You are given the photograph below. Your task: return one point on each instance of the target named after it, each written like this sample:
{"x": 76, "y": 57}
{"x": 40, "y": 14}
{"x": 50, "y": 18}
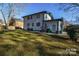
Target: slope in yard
{"x": 20, "y": 42}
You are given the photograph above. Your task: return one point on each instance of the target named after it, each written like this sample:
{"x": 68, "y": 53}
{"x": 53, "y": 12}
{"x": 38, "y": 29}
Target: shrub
{"x": 71, "y": 33}
{"x": 1, "y": 32}
{"x": 18, "y": 27}
{"x": 48, "y": 30}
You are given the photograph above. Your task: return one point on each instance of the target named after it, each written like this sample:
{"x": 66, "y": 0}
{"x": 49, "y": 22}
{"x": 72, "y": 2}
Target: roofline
{"x": 37, "y": 13}
{"x": 60, "y": 19}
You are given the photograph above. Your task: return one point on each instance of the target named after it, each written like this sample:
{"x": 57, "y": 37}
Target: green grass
{"x": 24, "y": 43}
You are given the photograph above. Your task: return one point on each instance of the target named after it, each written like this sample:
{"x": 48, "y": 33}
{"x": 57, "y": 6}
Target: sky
{"x": 30, "y": 8}
{"x": 50, "y": 7}
{"x": 53, "y": 8}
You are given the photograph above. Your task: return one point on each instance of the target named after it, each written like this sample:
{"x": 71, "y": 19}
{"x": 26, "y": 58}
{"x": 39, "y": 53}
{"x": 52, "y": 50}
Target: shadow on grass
{"x": 58, "y": 37}
{"x": 5, "y": 48}
{"x": 1, "y": 32}
{"x": 44, "y": 51}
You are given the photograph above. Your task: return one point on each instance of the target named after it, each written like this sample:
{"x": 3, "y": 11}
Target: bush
{"x": 48, "y": 30}
{"x": 71, "y": 33}
{"x": 1, "y": 32}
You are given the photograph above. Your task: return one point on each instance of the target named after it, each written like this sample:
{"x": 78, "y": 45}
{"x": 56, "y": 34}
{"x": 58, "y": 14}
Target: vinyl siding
{"x": 34, "y": 20}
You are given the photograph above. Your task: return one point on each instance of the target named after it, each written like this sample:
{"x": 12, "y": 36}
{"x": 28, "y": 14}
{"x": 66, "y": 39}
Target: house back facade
{"x": 43, "y": 21}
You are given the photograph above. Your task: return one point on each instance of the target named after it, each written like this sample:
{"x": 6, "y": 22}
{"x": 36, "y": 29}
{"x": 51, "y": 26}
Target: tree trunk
{"x": 6, "y": 26}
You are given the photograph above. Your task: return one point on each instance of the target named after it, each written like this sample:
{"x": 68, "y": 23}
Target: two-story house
{"x": 43, "y": 21}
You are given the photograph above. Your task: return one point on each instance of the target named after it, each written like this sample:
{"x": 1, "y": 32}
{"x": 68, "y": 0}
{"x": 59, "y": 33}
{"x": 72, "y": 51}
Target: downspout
{"x": 57, "y": 27}
{"x": 43, "y": 23}
{"x": 62, "y": 25}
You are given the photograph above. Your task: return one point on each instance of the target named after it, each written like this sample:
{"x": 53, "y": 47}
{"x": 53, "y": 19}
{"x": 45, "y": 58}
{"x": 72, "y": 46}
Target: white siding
{"x": 60, "y": 28}
{"x": 34, "y": 20}
{"x": 52, "y": 25}
{"x": 47, "y": 17}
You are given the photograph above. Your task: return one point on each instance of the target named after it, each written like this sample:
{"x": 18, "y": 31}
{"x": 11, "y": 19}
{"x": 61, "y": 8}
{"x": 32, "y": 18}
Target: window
{"x": 29, "y": 17}
{"x": 54, "y": 27}
{"x": 28, "y": 24}
{"x": 38, "y": 16}
{"x": 32, "y": 24}
{"x": 38, "y": 24}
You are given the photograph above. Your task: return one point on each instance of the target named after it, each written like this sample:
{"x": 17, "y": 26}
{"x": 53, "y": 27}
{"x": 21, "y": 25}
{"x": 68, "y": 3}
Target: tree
{"x": 71, "y": 31}
{"x": 9, "y": 11}
{"x": 72, "y": 8}
{"x": 69, "y": 7}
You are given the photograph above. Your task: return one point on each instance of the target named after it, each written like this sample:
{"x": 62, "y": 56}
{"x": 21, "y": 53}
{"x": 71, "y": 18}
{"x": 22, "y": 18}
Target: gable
{"x": 47, "y": 17}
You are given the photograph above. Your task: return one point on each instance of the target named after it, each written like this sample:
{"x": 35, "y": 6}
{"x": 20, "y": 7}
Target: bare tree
{"x": 10, "y": 10}
{"x": 69, "y": 7}
{"x": 6, "y": 16}
{"x": 72, "y": 8}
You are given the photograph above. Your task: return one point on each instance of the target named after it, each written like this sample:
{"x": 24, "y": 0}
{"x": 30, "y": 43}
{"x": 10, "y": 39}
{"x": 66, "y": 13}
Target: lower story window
{"x": 32, "y": 24}
{"x": 54, "y": 27}
{"x": 28, "y": 24}
{"x": 38, "y": 23}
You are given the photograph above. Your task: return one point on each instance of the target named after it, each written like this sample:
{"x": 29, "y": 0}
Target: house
{"x": 11, "y": 24}
{"x": 43, "y": 21}
{"x": 66, "y": 24}
{"x": 19, "y": 24}
{"x": 15, "y": 23}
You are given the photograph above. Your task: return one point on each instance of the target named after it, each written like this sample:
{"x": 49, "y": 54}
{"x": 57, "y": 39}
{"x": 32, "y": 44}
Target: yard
{"x": 24, "y": 43}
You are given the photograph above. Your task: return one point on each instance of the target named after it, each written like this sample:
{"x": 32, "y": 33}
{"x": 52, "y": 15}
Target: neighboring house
{"x": 11, "y": 24}
{"x": 15, "y": 23}
{"x": 43, "y": 21}
{"x": 19, "y": 24}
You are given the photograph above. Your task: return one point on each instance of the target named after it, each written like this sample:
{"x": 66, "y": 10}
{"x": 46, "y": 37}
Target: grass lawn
{"x": 24, "y": 43}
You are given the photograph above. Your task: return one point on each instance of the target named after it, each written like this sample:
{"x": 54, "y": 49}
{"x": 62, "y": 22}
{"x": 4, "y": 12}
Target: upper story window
{"x": 38, "y": 23}
{"x": 29, "y": 17}
{"x": 38, "y": 16}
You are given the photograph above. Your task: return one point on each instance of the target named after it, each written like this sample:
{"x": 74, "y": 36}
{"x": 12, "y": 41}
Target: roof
{"x": 54, "y": 20}
{"x": 37, "y": 13}
{"x": 46, "y": 12}
{"x": 61, "y": 19}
